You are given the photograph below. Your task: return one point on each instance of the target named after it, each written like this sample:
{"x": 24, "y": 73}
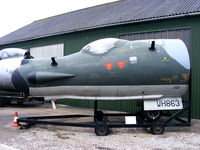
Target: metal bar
{"x": 54, "y": 117}
{"x": 95, "y": 110}
{"x": 180, "y": 120}
{"x": 129, "y": 125}
{"x": 119, "y": 114}
{"x": 175, "y": 115}
{"x": 32, "y": 121}
{"x": 146, "y": 125}
{"x": 177, "y": 125}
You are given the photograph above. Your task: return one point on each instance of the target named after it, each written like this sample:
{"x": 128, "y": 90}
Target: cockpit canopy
{"x": 101, "y": 46}
{"x": 12, "y": 52}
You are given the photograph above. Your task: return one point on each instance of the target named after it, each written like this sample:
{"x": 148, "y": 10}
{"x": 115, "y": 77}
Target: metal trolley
{"x": 102, "y": 125}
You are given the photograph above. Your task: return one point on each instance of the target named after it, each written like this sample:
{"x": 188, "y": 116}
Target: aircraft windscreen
{"x": 11, "y": 52}
{"x": 100, "y": 46}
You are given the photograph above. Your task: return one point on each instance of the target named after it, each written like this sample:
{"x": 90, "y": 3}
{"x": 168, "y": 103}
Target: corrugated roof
{"x": 120, "y": 12}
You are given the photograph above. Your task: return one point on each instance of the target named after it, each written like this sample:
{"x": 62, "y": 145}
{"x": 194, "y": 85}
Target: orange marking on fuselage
{"x": 121, "y": 64}
{"x": 109, "y": 66}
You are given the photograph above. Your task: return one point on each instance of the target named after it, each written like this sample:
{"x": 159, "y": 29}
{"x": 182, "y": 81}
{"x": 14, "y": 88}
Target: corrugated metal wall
{"x": 195, "y": 24}
{"x": 73, "y": 42}
{"x": 55, "y": 50}
{"x": 183, "y": 34}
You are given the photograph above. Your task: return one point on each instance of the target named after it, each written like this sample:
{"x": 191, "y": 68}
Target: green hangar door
{"x": 183, "y": 34}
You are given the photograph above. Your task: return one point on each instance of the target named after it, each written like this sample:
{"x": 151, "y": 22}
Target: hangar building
{"x": 127, "y": 19}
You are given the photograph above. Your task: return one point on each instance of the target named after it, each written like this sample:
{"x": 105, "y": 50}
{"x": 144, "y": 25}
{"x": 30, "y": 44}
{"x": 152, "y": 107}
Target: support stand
{"x": 102, "y": 126}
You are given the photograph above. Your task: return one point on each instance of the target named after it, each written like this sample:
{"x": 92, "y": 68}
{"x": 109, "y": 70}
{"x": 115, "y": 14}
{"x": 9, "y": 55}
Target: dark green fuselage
{"x": 128, "y": 64}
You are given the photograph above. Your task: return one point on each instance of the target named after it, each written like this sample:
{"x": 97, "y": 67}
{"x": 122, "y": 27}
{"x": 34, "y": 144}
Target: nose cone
{"x": 19, "y": 83}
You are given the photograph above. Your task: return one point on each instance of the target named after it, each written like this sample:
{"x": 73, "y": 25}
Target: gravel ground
{"x": 5, "y": 147}
{"x": 46, "y": 137}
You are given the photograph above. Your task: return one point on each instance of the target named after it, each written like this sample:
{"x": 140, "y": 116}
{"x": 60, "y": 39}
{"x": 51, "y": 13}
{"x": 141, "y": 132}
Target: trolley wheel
{"x": 152, "y": 115}
{"x": 157, "y": 128}
{"x": 101, "y": 129}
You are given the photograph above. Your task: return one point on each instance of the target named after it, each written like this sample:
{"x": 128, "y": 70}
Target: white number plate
{"x": 170, "y": 103}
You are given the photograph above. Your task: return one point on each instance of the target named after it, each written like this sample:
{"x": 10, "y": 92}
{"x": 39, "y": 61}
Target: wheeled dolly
{"x": 102, "y": 125}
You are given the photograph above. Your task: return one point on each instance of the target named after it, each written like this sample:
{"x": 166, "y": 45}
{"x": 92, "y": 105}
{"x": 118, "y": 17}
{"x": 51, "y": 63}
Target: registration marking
{"x": 170, "y": 103}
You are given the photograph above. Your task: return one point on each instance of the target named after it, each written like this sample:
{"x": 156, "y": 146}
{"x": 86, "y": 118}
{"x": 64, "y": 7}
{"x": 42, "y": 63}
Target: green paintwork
{"x": 151, "y": 68}
{"x": 43, "y": 77}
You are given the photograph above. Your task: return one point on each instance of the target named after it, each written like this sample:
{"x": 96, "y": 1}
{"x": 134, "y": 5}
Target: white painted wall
{"x": 56, "y": 50}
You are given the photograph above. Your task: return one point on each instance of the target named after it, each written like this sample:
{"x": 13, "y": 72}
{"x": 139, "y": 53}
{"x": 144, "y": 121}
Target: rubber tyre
{"x": 101, "y": 129}
{"x": 157, "y": 128}
{"x": 152, "y": 115}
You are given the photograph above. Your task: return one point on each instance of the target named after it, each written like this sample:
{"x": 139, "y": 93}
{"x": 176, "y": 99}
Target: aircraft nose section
{"x": 19, "y": 83}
